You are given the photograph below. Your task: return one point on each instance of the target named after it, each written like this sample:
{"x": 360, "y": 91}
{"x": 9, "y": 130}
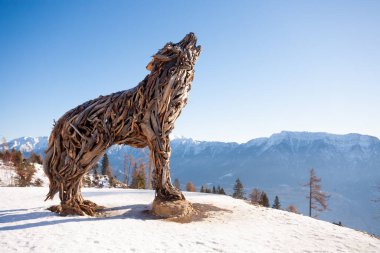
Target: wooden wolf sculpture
{"x": 140, "y": 117}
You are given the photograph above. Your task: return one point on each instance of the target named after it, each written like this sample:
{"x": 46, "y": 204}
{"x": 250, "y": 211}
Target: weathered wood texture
{"x": 139, "y": 117}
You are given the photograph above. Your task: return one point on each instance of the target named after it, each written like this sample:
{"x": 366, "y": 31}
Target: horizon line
{"x": 179, "y": 136}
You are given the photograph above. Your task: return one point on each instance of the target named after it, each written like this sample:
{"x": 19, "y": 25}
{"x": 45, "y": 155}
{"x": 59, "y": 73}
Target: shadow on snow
{"x": 138, "y": 212}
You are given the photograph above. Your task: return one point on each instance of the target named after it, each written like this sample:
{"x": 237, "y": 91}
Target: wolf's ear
{"x": 163, "y": 58}
{"x": 150, "y": 65}
{"x": 158, "y": 58}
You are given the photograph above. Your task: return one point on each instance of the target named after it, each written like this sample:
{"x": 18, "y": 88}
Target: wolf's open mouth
{"x": 190, "y": 42}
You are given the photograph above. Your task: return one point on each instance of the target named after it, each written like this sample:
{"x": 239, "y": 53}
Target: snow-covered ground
{"x": 40, "y": 174}
{"x": 7, "y": 173}
{"x": 26, "y": 226}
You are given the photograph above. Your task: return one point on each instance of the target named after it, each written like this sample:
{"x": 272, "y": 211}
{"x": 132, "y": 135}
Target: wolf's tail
{"x": 51, "y": 161}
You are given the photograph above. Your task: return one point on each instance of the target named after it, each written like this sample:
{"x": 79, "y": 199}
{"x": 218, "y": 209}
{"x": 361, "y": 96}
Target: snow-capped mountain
{"x": 28, "y": 144}
{"x": 349, "y": 166}
{"x": 280, "y": 159}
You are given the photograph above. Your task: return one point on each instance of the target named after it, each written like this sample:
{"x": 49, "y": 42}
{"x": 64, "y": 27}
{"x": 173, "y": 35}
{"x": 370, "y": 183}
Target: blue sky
{"x": 266, "y": 66}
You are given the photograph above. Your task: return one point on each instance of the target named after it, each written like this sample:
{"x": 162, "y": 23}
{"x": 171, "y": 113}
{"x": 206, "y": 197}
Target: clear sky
{"x": 266, "y": 66}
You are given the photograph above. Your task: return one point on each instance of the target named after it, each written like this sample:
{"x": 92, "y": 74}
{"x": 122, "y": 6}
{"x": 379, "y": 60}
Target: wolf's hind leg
{"x": 72, "y": 202}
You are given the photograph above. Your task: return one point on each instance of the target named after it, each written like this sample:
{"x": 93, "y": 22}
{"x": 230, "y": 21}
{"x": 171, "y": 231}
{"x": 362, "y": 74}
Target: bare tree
{"x": 317, "y": 198}
{"x": 138, "y": 176}
{"x": 292, "y": 209}
{"x": 125, "y": 169}
{"x": 129, "y": 164}
{"x": 149, "y": 168}
{"x": 25, "y": 172}
{"x": 255, "y": 196}
{"x": 4, "y": 145}
{"x": 7, "y": 154}
{"x": 190, "y": 187}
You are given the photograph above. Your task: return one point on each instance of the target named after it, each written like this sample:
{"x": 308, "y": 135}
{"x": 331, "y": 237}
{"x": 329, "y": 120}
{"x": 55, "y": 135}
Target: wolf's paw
{"x": 85, "y": 207}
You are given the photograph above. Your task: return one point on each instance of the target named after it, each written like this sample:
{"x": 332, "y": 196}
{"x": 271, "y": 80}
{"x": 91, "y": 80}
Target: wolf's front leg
{"x": 169, "y": 201}
{"x": 160, "y": 155}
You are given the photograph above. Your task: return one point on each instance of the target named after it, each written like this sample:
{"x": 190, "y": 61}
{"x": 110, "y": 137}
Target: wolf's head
{"x": 182, "y": 54}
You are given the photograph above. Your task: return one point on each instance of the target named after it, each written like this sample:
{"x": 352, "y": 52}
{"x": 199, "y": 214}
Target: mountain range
{"x": 349, "y": 166}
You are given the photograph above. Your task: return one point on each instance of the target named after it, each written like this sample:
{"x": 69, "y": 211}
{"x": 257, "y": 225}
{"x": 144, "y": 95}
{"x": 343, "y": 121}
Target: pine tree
{"x": 205, "y": 189}
{"x": 276, "y": 203}
{"x": 190, "y": 187}
{"x": 220, "y": 190}
{"x": 105, "y": 164}
{"x": 177, "y": 184}
{"x": 95, "y": 181}
{"x": 106, "y": 168}
{"x": 95, "y": 170}
{"x": 264, "y": 200}
{"x": 213, "y": 189}
{"x": 238, "y": 190}
{"x": 317, "y": 198}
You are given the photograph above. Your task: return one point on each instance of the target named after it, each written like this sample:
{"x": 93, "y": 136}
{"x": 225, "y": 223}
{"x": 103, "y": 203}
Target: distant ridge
{"x": 349, "y": 166}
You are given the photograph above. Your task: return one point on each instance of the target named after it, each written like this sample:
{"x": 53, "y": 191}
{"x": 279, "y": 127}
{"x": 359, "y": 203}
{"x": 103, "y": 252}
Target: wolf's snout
{"x": 189, "y": 41}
